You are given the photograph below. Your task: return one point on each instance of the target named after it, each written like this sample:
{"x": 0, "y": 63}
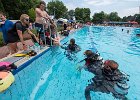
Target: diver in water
{"x": 71, "y": 49}
{"x": 138, "y": 35}
{"x": 108, "y": 79}
{"x": 92, "y": 61}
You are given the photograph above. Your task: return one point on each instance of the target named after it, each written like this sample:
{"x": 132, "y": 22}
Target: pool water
{"x": 54, "y": 77}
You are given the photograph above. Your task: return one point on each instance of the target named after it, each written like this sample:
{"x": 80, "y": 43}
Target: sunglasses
{"x": 27, "y": 20}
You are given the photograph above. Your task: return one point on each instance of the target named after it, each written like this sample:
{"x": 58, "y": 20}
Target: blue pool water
{"x": 53, "y": 77}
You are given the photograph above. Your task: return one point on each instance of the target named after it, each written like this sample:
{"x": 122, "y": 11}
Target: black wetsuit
{"x": 74, "y": 48}
{"x": 104, "y": 82}
{"x": 71, "y": 50}
{"x": 91, "y": 60}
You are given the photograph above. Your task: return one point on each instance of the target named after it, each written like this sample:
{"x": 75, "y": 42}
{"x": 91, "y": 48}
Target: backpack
{"x": 13, "y": 29}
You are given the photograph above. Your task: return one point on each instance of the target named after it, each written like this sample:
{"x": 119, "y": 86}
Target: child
{"x": 53, "y": 37}
{"x": 92, "y": 61}
{"x": 72, "y": 46}
{"x": 71, "y": 49}
{"x": 5, "y": 25}
{"x": 90, "y": 57}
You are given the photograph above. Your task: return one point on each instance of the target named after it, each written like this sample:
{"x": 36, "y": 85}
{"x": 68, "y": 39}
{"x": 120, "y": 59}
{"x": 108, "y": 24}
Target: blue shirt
{"x": 4, "y": 28}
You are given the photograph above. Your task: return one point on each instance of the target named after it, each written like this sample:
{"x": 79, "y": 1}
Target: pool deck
{"x": 4, "y": 51}
{"x": 20, "y": 62}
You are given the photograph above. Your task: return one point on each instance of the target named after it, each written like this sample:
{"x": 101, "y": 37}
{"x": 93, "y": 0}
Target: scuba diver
{"x": 108, "y": 79}
{"x": 92, "y": 61}
{"x": 71, "y": 49}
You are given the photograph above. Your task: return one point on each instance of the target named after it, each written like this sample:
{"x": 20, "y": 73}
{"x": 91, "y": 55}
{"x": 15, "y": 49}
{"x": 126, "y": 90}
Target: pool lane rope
{"x": 93, "y": 48}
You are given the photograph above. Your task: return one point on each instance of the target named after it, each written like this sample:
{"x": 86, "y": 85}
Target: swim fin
{"x": 21, "y": 55}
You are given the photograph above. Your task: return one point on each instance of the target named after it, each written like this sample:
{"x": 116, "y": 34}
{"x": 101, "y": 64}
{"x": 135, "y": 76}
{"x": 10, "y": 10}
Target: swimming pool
{"x": 53, "y": 77}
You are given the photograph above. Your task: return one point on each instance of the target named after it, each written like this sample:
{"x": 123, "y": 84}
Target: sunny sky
{"x": 123, "y": 7}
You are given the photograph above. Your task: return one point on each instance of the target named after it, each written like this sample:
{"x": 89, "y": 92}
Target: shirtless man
{"x": 41, "y": 17}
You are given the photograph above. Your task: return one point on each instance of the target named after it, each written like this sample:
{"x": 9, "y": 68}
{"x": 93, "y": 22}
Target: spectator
{"x": 41, "y": 19}
{"x": 5, "y": 25}
{"x": 16, "y": 33}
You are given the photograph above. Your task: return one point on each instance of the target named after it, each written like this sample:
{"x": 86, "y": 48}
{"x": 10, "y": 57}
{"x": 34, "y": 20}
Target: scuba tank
{"x": 120, "y": 81}
{"x": 121, "y": 86}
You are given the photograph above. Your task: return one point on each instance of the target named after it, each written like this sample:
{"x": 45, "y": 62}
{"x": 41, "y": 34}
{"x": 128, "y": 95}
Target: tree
{"x": 124, "y": 19}
{"x": 113, "y": 16}
{"x": 71, "y": 14}
{"x": 57, "y": 8}
{"x": 31, "y": 13}
{"x": 99, "y": 17}
{"x": 128, "y": 18}
{"x": 78, "y": 14}
{"x": 82, "y": 14}
{"x": 86, "y": 14}
{"x": 18, "y": 7}
{"x": 1, "y": 6}
{"x": 137, "y": 18}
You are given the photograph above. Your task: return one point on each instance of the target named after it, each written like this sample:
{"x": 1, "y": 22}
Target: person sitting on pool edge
{"x": 17, "y": 33}
{"x": 108, "y": 79}
{"x": 72, "y": 47}
{"x": 53, "y": 37}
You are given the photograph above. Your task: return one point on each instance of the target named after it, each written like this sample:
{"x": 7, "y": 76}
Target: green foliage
{"x": 31, "y": 13}
{"x": 1, "y": 40}
{"x": 113, "y": 16}
{"x": 78, "y": 13}
{"x": 71, "y": 14}
{"x": 15, "y": 8}
{"x": 1, "y": 6}
{"x": 57, "y": 8}
{"x": 99, "y": 17}
{"x": 137, "y": 18}
{"x": 124, "y": 19}
{"x": 82, "y": 14}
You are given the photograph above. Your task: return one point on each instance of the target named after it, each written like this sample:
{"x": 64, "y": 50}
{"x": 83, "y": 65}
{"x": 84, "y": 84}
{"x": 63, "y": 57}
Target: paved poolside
{"x": 4, "y": 52}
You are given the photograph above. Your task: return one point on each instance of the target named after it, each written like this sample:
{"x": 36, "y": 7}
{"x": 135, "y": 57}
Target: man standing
{"x": 41, "y": 18}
